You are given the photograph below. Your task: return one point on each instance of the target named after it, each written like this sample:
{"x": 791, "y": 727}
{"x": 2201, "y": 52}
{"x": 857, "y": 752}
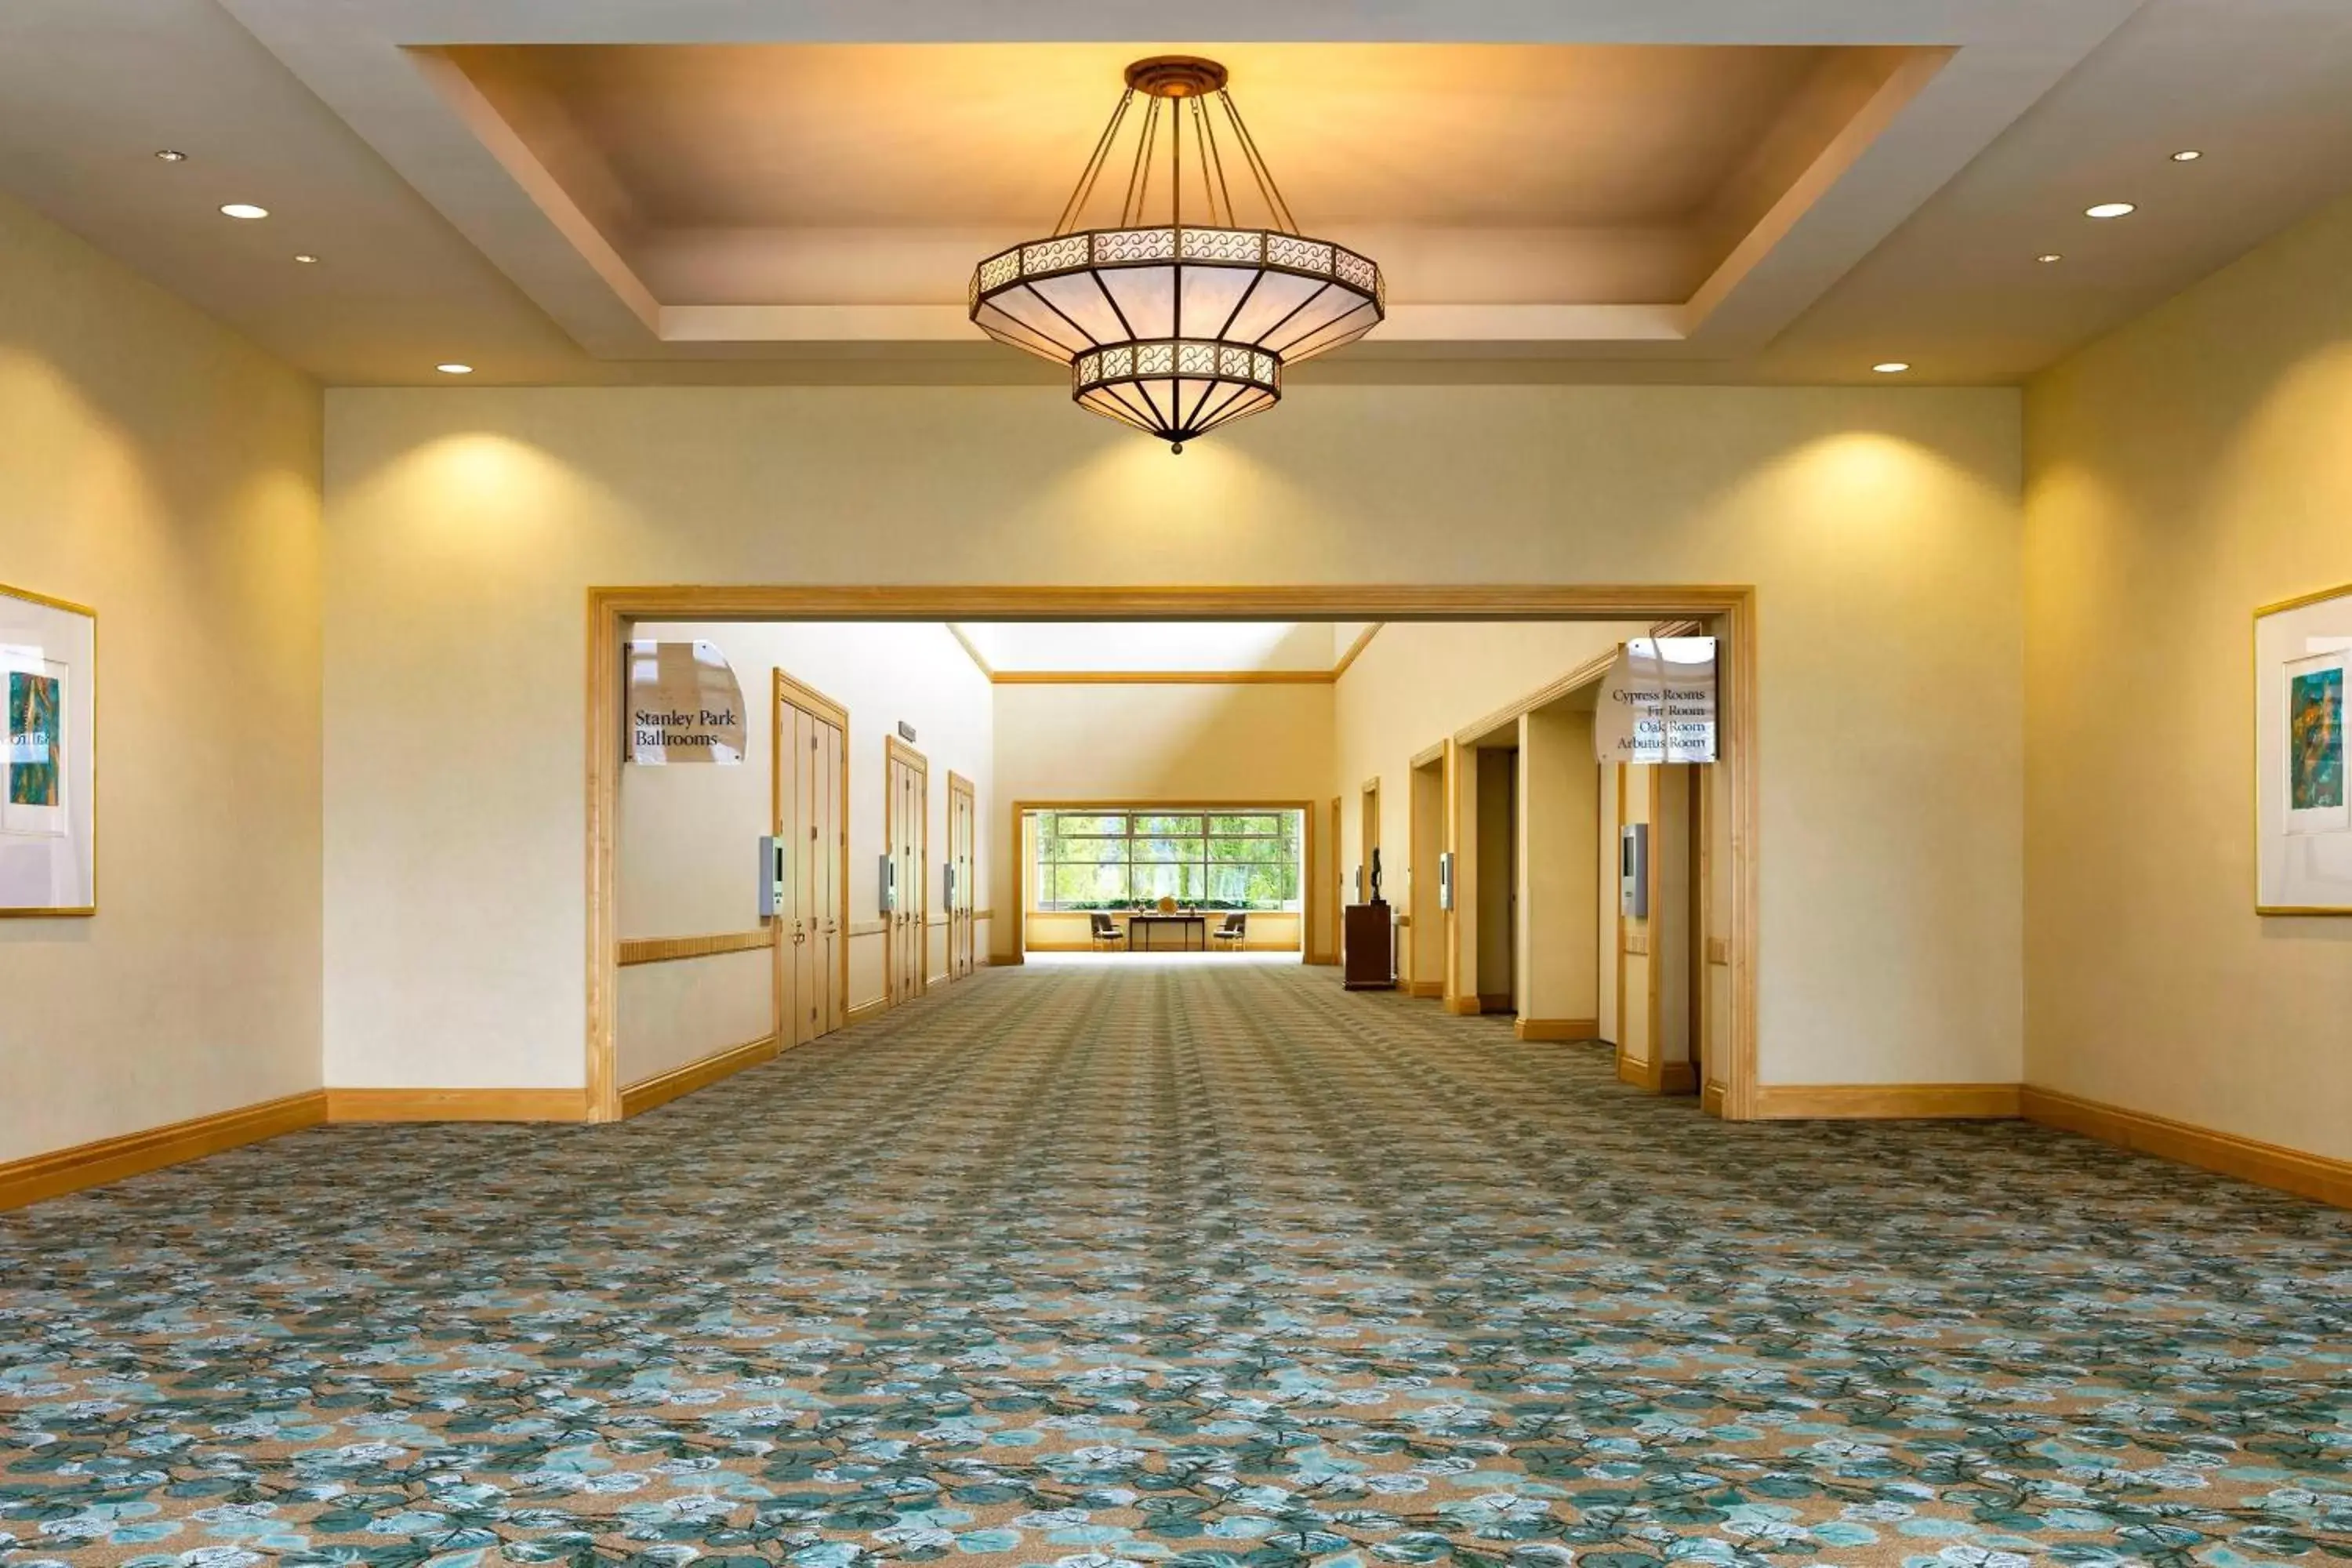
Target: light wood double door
{"x": 962, "y": 865}
{"x": 906, "y": 837}
{"x": 811, "y": 821}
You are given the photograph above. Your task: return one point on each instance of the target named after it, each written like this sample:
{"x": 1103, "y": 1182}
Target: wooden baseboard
{"x": 2266, "y": 1164}
{"x": 1494, "y": 1002}
{"x": 1463, "y": 1006}
{"x": 1710, "y": 1097}
{"x": 93, "y": 1164}
{"x": 700, "y": 1073}
{"x": 1865, "y": 1101}
{"x": 1677, "y": 1077}
{"x": 457, "y": 1104}
{"x": 1629, "y": 1070}
{"x": 1426, "y": 990}
{"x": 865, "y": 1010}
{"x": 1006, "y": 960}
{"x": 1557, "y": 1028}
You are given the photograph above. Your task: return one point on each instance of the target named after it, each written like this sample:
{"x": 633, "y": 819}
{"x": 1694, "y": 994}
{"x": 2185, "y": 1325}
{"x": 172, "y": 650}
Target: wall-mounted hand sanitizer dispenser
{"x": 888, "y": 901}
{"x": 772, "y": 875}
{"x": 1633, "y": 870}
{"x": 1445, "y": 879}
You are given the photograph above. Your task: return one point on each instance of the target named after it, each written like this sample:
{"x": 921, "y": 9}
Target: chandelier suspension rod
{"x": 1205, "y": 135}
{"x": 1085, "y": 189}
{"x": 1265, "y": 183}
{"x": 1176, "y": 183}
{"x": 1141, "y": 181}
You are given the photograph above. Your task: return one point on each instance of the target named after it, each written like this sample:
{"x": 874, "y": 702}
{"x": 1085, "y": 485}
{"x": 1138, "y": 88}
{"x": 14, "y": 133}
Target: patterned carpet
{"x": 1193, "y": 1266}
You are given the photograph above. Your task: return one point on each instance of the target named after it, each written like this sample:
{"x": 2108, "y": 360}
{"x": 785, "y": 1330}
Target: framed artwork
{"x": 2303, "y": 816}
{"x": 48, "y": 770}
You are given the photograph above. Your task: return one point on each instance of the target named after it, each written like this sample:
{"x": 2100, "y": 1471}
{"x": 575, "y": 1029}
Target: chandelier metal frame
{"x": 1177, "y": 328}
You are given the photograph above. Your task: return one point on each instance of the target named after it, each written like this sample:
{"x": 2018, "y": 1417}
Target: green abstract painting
{"x": 2315, "y": 741}
{"x": 36, "y": 738}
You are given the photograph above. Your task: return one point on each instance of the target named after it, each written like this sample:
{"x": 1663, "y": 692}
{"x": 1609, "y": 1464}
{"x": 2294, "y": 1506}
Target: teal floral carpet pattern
{"x": 1176, "y": 1266}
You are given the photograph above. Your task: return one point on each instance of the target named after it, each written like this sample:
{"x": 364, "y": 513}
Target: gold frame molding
{"x": 70, "y": 912}
{"x": 610, "y": 609}
{"x": 2255, "y": 753}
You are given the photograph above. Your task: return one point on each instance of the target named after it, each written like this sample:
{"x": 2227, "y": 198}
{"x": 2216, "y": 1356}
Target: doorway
{"x": 1496, "y": 878}
{"x": 1424, "y": 937}
{"x": 964, "y": 821}
{"x": 905, "y": 832}
{"x": 1730, "y": 611}
{"x": 812, "y": 825}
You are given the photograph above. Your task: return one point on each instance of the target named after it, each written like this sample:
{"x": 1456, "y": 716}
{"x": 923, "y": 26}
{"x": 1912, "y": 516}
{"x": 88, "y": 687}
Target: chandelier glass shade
{"x": 1180, "y": 312}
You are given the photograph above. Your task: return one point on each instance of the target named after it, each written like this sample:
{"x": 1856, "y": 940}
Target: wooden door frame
{"x": 784, "y": 688}
{"x": 959, "y": 785}
{"x": 610, "y": 611}
{"x": 895, "y": 749}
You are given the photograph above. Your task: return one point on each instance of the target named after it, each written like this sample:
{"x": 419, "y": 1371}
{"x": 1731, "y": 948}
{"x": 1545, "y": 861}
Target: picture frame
{"x": 2303, "y": 795}
{"x": 48, "y": 756}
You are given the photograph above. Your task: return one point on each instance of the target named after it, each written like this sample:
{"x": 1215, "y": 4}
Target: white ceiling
{"x": 1191, "y": 647}
{"x": 438, "y": 244}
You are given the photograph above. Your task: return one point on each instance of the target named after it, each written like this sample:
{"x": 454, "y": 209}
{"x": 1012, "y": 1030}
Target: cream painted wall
{"x": 160, "y": 469}
{"x": 686, "y": 865}
{"x": 1882, "y": 527}
{"x": 1416, "y": 683}
{"x": 1557, "y": 963}
{"x": 1183, "y": 743}
{"x": 2189, "y": 468}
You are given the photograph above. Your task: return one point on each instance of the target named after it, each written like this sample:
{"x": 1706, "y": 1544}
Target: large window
{"x": 1203, "y": 859}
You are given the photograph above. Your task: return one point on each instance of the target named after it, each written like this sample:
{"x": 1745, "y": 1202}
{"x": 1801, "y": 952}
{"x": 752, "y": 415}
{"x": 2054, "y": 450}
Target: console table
{"x": 1144, "y": 922}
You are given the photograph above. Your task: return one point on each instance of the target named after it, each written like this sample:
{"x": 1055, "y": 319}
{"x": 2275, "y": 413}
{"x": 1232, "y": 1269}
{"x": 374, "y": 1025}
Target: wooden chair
{"x": 1105, "y": 932}
{"x": 1233, "y": 934}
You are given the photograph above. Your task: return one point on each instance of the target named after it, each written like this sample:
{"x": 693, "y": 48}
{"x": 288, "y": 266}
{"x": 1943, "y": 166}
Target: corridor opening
{"x": 952, "y": 717}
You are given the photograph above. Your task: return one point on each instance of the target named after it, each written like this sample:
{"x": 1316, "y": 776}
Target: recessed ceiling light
{"x": 171, "y": 156}
{"x": 453, "y": 368}
{"x": 2110, "y": 209}
{"x": 246, "y": 210}
{"x": 2187, "y": 155}
{"x": 305, "y": 258}
{"x": 2049, "y": 256}
{"x": 1892, "y": 366}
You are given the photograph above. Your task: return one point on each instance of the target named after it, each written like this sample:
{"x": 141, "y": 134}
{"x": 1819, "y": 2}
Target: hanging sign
{"x": 684, "y": 704}
{"x": 1657, "y": 702}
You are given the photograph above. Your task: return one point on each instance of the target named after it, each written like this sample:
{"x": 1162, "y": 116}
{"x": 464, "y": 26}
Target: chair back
{"x": 1237, "y": 924}
{"x": 1104, "y": 924}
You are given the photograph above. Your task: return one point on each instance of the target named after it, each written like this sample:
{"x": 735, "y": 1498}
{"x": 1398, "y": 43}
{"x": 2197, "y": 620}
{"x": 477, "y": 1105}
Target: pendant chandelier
{"x": 1177, "y": 316}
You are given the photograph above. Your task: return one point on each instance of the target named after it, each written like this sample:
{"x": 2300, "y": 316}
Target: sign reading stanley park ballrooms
{"x": 1657, "y": 702}
{"x": 684, "y": 704}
